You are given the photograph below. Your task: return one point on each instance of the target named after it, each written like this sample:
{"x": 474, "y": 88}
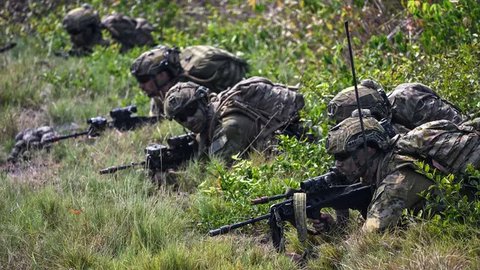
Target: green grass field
{"x": 57, "y": 212}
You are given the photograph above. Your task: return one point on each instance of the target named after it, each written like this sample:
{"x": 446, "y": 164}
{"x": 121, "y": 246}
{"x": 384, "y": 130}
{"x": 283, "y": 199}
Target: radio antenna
{"x": 355, "y": 85}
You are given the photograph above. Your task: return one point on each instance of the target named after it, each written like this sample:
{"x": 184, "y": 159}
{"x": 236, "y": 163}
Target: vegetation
{"x": 59, "y": 213}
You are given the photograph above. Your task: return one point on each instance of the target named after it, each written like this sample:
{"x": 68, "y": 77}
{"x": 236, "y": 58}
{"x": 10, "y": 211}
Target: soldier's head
{"x": 83, "y": 26}
{"x": 346, "y": 143}
{"x": 187, "y": 103}
{"x": 157, "y": 70}
{"x": 371, "y": 97}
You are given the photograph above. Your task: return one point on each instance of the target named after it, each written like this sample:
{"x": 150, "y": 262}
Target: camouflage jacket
{"x": 247, "y": 115}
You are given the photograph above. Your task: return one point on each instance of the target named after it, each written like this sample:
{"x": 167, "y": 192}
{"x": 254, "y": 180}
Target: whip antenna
{"x": 355, "y": 85}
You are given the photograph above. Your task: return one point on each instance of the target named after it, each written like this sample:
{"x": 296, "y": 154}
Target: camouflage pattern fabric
{"x": 397, "y": 190}
{"x": 270, "y": 105}
{"x": 30, "y": 139}
{"x": 83, "y": 26}
{"x": 449, "y": 147}
{"x": 212, "y": 67}
{"x": 247, "y": 115}
{"x": 208, "y": 66}
{"x": 128, "y": 32}
{"x": 347, "y": 136}
{"x": 345, "y": 102}
{"x": 414, "y": 104}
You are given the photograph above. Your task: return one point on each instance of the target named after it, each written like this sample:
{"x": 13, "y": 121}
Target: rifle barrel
{"x": 266, "y": 199}
{"x": 59, "y": 138}
{"x": 227, "y": 228}
{"x": 121, "y": 167}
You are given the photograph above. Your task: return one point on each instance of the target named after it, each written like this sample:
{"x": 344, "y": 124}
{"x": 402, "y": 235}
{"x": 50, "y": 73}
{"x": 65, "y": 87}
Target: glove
{"x": 324, "y": 223}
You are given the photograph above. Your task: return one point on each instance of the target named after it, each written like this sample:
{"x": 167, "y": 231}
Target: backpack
{"x": 446, "y": 146}
{"x": 212, "y": 67}
{"x": 414, "y": 104}
{"x": 128, "y": 31}
{"x": 271, "y": 106}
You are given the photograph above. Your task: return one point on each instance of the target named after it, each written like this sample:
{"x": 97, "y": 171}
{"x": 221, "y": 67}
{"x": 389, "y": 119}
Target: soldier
{"x": 31, "y": 138}
{"x": 389, "y": 164}
{"x": 157, "y": 70}
{"x": 128, "y": 32}
{"x": 408, "y": 106}
{"x": 83, "y": 26}
{"x": 237, "y": 120}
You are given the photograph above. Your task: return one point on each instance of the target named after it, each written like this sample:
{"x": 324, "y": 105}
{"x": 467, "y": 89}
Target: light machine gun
{"x": 160, "y": 157}
{"x": 314, "y": 194}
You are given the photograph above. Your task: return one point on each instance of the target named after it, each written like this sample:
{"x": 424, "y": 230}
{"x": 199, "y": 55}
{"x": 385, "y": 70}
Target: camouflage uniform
{"x": 395, "y": 181}
{"x": 408, "y": 106}
{"x": 30, "y": 139}
{"x": 208, "y": 66}
{"x": 83, "y": 26}
{"x": 239, "y": 119}
{"x": 128, "y": 32}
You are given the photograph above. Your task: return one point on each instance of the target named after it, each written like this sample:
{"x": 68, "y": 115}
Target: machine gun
{"x": 122, "y": 120}
{"x": 160, "y": 157}
{"x": 314, "y": 194}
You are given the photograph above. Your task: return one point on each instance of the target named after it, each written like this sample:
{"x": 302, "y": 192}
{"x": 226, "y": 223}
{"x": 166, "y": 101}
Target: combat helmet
{"x": 180, "y": 99}
{"x": 371, "y": 97}
{"x": 79, "y": 19}
{"x": 156, "y": 60}
{"x": 347, "y": 136}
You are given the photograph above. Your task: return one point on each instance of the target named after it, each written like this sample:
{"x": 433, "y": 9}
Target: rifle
{"x": 160, "y": 157}
{"x": 122, "y": 119}
{"x": 315, "y": 194}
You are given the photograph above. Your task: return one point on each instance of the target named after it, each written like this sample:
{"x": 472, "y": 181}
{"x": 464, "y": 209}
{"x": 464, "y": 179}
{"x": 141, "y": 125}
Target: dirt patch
{"x": 34, "y": 173}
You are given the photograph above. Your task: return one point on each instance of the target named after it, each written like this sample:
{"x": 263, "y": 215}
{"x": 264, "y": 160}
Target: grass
{"x": 57, "y": 212}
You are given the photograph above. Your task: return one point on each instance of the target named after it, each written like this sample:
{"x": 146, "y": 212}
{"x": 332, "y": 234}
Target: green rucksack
{"x": 212, "y": 67}
{"x": 446, "y": 146}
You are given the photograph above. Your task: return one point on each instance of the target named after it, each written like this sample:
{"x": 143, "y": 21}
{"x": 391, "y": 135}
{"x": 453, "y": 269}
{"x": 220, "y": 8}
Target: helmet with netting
{"x": 181, "y": 96}
{"x": 347, "y": 136}
{"x": 371, "y": 96}
{"x": 78, "y": 19}
{"x": 156, "y": 60}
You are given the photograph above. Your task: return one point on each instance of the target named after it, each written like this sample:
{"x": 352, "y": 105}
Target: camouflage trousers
{"x": 396, "y": 192}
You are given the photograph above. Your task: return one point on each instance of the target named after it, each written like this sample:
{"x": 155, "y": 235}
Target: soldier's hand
{"x": 324, "y": 223}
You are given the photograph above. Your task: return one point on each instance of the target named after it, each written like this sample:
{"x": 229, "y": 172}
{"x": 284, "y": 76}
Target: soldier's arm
{"x": 233, "y": 136}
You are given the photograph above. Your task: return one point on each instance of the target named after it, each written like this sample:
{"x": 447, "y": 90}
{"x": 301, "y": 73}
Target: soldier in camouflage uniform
{"x": 408, "y": 106}
{"x": 30, "y": 139}
{"x": 128, "y": 32}
{"x": 83, "y": 26}
{"x": 389, "y": 164}
{"x": 237, "y": 120}
{"x": 157, "y": 70}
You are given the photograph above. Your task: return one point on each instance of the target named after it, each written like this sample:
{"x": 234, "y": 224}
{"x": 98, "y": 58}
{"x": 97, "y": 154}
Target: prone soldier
{"x": 158, "y": 69}
{"x": 388, "y": 164}
{"x": 237, "y": 120}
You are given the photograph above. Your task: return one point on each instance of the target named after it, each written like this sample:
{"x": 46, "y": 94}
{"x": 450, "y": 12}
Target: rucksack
{"x": 212, "y": 67}
{"x": 414, "y": 104}
{"x": 446, "y": 146}
{"x": 128, "y": 31}
{"x": 272, "y": 106}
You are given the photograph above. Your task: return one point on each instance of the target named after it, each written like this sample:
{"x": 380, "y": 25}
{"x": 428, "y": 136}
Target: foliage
{"x": 452, "y": 200}
{"x": 58, "y": 213}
